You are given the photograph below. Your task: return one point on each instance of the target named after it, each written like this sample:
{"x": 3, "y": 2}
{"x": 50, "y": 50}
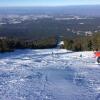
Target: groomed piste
{"x": 49, "y": 74}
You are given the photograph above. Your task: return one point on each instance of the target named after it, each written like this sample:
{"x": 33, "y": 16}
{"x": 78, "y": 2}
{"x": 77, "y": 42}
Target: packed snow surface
{"x": 50, "y": 74}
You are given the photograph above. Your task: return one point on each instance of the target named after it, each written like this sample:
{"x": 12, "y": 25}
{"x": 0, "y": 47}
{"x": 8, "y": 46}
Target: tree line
{"x": 8, "y": 44}
{"x": 83, "y": 43}
{"x": 78, "y": 43}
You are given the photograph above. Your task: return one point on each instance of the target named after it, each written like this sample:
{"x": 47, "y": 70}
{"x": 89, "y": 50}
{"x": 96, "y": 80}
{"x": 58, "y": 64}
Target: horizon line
{"x": 54, "y": 5}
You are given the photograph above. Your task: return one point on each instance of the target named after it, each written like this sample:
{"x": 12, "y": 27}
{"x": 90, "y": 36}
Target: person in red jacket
{"x": 97, "y": 54}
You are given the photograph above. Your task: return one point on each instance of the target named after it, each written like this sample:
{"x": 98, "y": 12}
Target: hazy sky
{"x": 47, "y": 2}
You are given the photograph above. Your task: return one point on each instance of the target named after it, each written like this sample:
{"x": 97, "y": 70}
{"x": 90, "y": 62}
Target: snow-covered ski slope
{"x": 50, "y": 74}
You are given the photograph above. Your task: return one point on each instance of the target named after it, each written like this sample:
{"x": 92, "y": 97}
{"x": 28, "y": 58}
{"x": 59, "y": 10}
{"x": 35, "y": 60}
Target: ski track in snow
{"x": 50, "y": 74}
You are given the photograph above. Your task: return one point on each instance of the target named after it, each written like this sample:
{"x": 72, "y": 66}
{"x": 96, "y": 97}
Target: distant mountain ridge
{"x": 86, "y": 10}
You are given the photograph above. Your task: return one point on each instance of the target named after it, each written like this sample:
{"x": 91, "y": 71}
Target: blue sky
{"x": 47, "y": 2}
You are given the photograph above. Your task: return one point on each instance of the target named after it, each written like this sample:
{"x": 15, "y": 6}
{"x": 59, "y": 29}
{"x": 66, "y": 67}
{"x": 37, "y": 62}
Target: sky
{"x": 47, "y": 2}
